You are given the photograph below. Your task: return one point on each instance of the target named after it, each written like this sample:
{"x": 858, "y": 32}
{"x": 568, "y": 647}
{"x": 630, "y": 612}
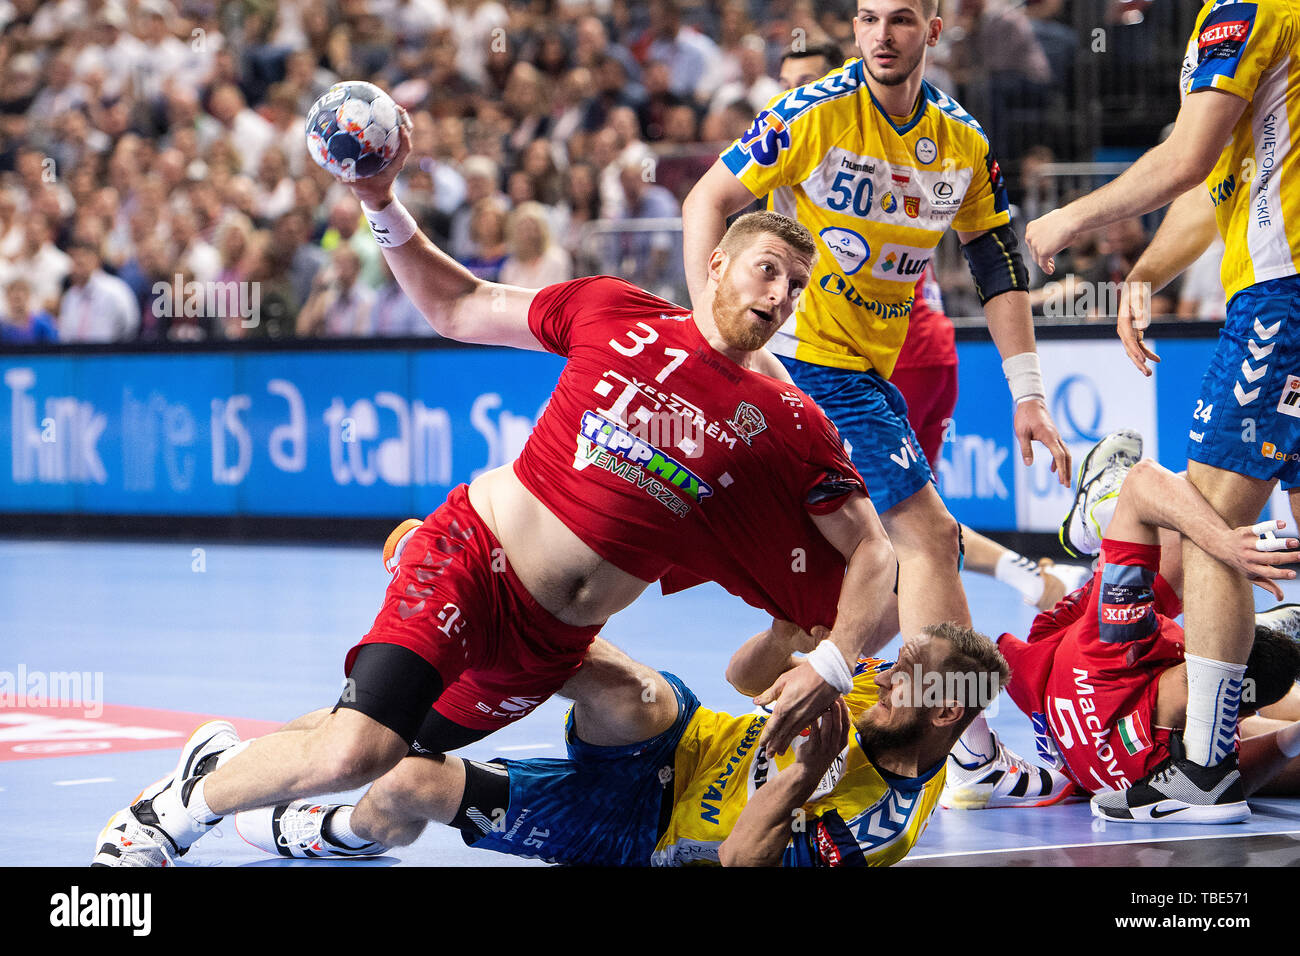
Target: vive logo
{"x": 850, "y": 250}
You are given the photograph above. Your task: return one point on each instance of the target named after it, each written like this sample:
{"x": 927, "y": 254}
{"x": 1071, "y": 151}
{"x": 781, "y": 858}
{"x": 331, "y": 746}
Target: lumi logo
{"x": 903, "y": 263}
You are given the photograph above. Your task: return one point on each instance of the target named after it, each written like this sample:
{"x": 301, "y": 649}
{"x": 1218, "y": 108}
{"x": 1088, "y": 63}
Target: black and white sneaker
{"x": 1179, "y": 791}
{"x": 156, "y": 828}
{"x": 297, "y": 829}
{"x": 1101, "y": 473}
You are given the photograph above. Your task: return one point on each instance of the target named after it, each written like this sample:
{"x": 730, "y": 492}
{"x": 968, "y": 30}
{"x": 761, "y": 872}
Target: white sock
{"x": 1288, "y": 740}
{"x": 182, "y": 821}
{"x": 1022, "y": 574}
{"x": 338, "y": 829}
{"x": 975, "y": 746}
{"x": 226, "y": 756}
{"x": 197, "y": 805}
{"x": 1213, "y": 699}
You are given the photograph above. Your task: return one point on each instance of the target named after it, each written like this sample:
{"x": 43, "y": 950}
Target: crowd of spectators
{"x": 149, "y": 146}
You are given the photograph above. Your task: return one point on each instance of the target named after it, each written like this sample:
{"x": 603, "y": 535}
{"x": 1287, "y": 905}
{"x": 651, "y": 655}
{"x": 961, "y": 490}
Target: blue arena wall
{"x": 1092, "y": 389}
{"x": 375, "y": 432}
{"x": 379, "y": 430}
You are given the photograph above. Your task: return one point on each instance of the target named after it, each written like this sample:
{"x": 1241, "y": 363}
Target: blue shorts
{"x": 871, "y": 416}
{"x": 1247, "y": 417}
{"x": 603, "y": 806}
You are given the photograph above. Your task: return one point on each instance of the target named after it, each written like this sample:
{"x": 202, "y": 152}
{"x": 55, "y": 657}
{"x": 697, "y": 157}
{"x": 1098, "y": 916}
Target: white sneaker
{"x": 207, "y": 741}
{"x": 1283, "y": 618}
{"x": 296, "y": 830}
{"x": 1006, "y": 780}
{"x": 1101, "y": 473}
{"x": 125, "y": 841}
{"x": 156, "y": 828}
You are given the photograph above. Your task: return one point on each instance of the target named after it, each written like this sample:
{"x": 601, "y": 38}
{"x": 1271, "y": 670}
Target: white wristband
{"x": 1025, "y": 376}
{"x": 829, "y": 664}
{"x": 392, "y": 225}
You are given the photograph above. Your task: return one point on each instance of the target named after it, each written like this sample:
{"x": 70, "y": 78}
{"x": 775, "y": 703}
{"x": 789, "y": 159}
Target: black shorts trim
{"x": 392, "y": 685}
{"x": 439, "y": 735}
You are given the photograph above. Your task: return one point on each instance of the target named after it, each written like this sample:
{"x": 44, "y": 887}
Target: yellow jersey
{"x": 858, "y": 815}
{"x": 877, "y": 192}
{"x": 1252, "y": 50}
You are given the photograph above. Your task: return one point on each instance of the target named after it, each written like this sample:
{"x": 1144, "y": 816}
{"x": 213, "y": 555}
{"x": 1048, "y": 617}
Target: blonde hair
{"x": 972, "y": 653}
{"x": 745, "y": 229}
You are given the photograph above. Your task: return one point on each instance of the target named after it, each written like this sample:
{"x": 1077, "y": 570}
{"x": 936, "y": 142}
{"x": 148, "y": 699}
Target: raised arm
{"x": 801, "y": 694}
{"x": 455, "y": 302}
{"x": 1160, "y": 175}
{"x": 704, "y": 220}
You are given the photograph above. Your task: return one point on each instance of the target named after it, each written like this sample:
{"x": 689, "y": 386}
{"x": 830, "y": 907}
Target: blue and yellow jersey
{"x": 878, "y": 192}
{"x": 858, "y": 816}
{"x": 1250, "y": 50}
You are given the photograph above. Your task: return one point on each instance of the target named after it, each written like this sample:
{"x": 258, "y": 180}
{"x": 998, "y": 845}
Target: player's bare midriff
{"x": 565, "y": 576}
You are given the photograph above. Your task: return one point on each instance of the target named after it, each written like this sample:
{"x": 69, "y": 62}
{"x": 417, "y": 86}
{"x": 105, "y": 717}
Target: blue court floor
{"x": 250, "y": 631}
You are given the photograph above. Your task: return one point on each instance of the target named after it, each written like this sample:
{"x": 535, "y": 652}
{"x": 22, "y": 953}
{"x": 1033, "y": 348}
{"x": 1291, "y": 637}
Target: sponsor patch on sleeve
{"x": 765, "y": 138}
{"x": 1126, "y": 610}
{"x": 834, "y": 842}
{"x": 1220, "y": 42}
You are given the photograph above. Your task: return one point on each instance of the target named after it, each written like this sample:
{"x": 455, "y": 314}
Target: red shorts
{"x": 931, "y": 396}
{"x": 456, "y": 603}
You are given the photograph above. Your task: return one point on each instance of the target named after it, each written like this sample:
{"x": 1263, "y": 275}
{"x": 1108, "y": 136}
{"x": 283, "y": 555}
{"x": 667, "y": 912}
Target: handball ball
{"x": 352, "y": 130}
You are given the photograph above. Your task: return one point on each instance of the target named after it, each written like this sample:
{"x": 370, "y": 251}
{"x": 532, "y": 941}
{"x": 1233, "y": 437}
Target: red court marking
{"x": 28, "y": 732}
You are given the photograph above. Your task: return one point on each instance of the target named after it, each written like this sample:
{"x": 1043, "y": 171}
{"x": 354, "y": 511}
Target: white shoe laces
{"x": 300, "y": 828}
{"x": 143, "y": 846}
{"x": 1011, "y": 759}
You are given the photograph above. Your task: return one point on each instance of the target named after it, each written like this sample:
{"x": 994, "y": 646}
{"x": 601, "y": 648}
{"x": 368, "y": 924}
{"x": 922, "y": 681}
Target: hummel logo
{"x": 1157, "y": 813}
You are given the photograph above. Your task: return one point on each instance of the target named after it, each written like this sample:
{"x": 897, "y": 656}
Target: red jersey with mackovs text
{"x": 659, "y": 452}
{"x": 1089, "y": 673}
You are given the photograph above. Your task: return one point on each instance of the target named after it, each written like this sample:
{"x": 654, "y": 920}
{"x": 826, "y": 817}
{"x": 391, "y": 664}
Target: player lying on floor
{"x": 1102, "y": 675}
{"x": 653, "y": 778}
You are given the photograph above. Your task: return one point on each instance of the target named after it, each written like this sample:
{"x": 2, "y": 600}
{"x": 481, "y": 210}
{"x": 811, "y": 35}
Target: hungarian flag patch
{"x": 1133, "y": 735}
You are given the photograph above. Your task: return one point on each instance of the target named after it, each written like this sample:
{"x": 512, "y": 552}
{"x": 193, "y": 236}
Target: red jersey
{"x": 1089, "y": 674}
{"x": 930, "y": 338}
{"x": 658, "y": 451}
